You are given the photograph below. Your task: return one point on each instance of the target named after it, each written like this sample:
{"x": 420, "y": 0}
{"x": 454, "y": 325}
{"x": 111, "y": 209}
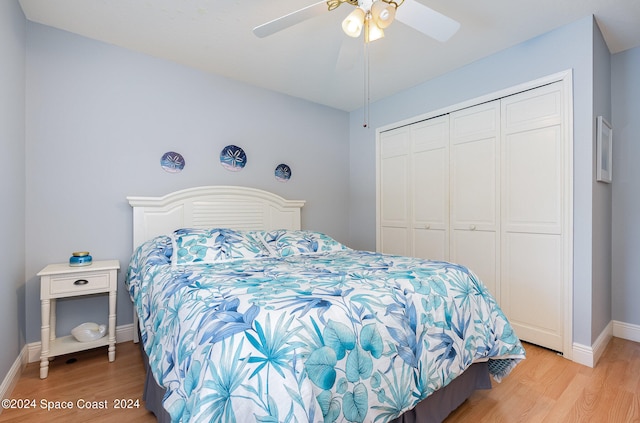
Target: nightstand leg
{"x": 112, "y": 325}
{"x": 52, "y": 320}
{"x": 44, "y": 339}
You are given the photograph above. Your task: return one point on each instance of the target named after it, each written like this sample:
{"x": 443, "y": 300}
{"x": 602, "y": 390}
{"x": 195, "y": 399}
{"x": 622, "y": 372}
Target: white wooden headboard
{"x": 232, "y": 207}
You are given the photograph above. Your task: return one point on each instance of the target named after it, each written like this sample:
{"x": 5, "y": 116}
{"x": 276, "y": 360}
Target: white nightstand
{"x": 63, "y": 281}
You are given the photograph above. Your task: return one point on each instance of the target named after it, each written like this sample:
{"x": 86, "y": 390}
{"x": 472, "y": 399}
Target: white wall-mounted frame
{"x": 604, "y": 156}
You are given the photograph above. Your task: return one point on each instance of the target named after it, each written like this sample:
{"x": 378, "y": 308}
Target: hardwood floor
{"x": 83, "y": 376}
{"x": 543, "y": 388}
{"x": 548, "y": 388}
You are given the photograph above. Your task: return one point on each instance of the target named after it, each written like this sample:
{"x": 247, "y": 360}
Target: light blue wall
{"x": 625, "y": 82}
{"x": 12, "y": 182}
{"x": 602, "y": 194}
{"x": 569, "y": 47}
{"x": 99, "y": 119}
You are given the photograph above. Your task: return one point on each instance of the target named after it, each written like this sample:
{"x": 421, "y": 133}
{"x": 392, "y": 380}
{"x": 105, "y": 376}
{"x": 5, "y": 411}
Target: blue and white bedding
{"x": 291, "y": 326}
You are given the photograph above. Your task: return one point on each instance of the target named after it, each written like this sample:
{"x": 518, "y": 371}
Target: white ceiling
{"x": 302, "y": 61}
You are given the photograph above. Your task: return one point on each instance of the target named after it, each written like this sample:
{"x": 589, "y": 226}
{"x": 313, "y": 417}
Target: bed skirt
{"x": 433, "y": 409}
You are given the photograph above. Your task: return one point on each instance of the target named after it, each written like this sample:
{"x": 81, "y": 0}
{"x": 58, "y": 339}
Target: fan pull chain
{"x": 367, "y": 84}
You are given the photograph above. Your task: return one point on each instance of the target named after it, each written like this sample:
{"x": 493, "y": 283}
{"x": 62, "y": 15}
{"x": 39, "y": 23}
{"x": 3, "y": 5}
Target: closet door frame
{"x": 566, "y": 79}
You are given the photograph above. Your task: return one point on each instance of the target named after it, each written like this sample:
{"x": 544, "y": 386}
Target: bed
{"x": 245, "y": 317}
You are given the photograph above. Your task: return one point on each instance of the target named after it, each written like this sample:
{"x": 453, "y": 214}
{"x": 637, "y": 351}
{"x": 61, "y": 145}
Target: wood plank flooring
{"x": 549, "y": 388}
{"x": 83, "y": 376}
{"x": 543, "y": 388}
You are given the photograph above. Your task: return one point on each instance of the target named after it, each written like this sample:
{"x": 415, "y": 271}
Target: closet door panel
{"x": 532, "y": 178}
{"x": 532, "y": 264}
{"x": 474, "y": 190}
{"x": 475, "y": 166}
{"x": 476, "y": 250}
{"x": 430, "y": 244}
{"x": 430, "y": 188}
{"x": 429, "y": 183}
{"x": 430, "y": 221}
{"x": 430, "y": 173}
{"x": 395, "y": 206}
{"x": 533, "y": 296}
{"x": 473, "y": 182}
{"x": 477, "y": 122}
{"x": 542, "y": 107}
{"x": 395, "y": 241}
{"x": 393, "y": 185}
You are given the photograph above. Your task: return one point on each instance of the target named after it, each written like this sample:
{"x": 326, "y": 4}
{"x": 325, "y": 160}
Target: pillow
{"x": 286, "y": 243}
{"x": 196, "y": 246}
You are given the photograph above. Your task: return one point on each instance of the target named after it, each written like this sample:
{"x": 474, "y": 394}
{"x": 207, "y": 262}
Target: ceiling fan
{"x": 370, "y": 17}
{"x": 373, "y": 16}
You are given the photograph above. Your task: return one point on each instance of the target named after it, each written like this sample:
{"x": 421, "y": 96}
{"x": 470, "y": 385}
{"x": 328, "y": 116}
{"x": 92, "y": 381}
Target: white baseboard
{"x": 14, "y": 373}
{"x": 626, "y": 331}
{"x": 589, "y": 355}
{"x": 124, "y": 333}
{"x": 582, "y": 354}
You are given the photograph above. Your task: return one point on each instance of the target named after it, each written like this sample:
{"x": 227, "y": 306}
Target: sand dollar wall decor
{"x": 233, "y": 158}
{"x": 283, "y": 172}
{"x": 172, "y": 162}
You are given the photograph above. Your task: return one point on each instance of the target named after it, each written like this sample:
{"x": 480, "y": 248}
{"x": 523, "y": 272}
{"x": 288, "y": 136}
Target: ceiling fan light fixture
{"x": 383, "y": 13}
{"x": 372, "y": 31}
{"x": 353, "y": 23}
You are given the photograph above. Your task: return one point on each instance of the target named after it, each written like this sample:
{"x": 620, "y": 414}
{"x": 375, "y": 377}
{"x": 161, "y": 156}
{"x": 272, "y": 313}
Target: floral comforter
{"x": 341, "y": 335}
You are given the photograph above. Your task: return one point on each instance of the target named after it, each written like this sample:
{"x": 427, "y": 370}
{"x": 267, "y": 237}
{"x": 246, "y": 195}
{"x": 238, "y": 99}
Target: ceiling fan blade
{"x": 291, "y": 19}
{"x": 428, "y": 21}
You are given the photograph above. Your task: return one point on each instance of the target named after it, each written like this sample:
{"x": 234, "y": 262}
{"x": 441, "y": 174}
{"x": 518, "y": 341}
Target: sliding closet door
{"x": 393, "y": 194}
{"x": 533, "y": 177}
{"x": 414, "y": 190}
{"x": 489, "y": 187}
{"x": 429, "y": 193}
{"x": 475, "y": 200}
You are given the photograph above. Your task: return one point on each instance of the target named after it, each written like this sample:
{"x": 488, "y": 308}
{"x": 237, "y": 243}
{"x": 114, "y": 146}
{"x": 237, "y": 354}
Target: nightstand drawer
{"x": 79, "y": 284}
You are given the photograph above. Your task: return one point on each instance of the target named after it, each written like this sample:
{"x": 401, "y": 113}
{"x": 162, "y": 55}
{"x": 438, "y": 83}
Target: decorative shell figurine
{"x": 89, "y": 331}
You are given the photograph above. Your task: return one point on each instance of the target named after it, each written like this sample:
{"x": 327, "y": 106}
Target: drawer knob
{"x": 80, "y": 282}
